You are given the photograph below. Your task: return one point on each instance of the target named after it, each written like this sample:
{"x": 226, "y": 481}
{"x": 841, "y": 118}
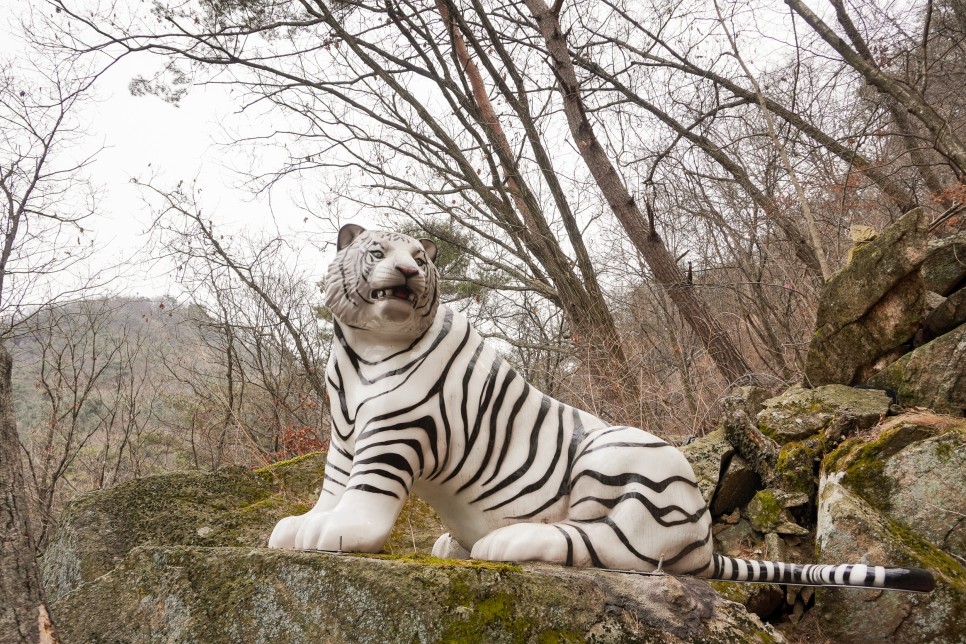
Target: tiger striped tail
{"x": 855, "y": 575}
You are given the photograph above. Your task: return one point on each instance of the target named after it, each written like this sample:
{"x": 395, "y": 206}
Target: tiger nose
{"x": 407, "y": 271}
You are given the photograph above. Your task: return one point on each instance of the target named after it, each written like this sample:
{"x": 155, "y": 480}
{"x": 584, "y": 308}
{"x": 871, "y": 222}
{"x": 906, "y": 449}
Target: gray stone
{"x": 947, "y": 316}
{"x": 945, "y": 267}
{"x": 870, "y": 308}
{"x": 800, "y": 413}
{"x": 754, "y": 397}
{"x": 707, "y": 456}
{"x": 933, "y": 376}
{"x": 851, "y": 530}
{"x": 215, "y": 595}
{"x": 913, "y": 470}
{"x": 230, "y": 507}
{"x": 734, "y": 540}
{"x": 761, "y": 599}
{"x": 737, "y": 486}
{"x": 768, "y": 512}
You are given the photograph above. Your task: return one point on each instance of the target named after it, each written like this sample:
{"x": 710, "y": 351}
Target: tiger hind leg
{"x": 634, "y": 505}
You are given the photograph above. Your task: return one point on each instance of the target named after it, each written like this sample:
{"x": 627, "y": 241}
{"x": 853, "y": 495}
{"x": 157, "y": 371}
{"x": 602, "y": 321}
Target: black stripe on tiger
{"x": 657, "y": 512}
{"x": 855, "y": 575}
{"x": 548, "y": 471}
{"x": 625, "y": 479}
{"x": 513, "y": 477}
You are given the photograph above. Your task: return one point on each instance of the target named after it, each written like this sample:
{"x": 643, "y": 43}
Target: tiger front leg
{"x": 337, "y": 465}
{"x": 381, "y": 475}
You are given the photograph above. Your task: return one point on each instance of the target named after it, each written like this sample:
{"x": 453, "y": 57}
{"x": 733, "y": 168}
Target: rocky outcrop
{"x": 211, "y": 595}
{"x": 896, "y": 496}
{"x": 932, "y": 376}
{"x": 230, "y": 507}
{"x": 725, "y": 479}
{"x": 870, "y": 308}
{"x": 892, "y": 485}
{"x": 177, "y": 558}
{"x": 944, "y": 270}
{"x": 800, "y": 413}
{"x": 948, "y": 315}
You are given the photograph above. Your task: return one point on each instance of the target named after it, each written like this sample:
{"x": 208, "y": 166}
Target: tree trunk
{"x": 660, "y": 260}
{"x": 23, "y": 610}
{"x": 591, "y": 323}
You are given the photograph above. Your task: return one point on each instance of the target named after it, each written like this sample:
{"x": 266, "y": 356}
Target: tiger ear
{"x": 430, "y": 247}
{"x": 346, "y": 234}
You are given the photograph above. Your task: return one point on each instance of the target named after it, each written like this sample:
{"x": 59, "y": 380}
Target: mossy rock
{"x": 768, "y": 513}
{"x": 871, "y": 307}
{"x": 850, "y": 530}
{"x": 232, "y": 506}
{"x": 912, "y": 469}
{"x": 796, "y": 467}
{"x": 215, "y": 595}
{"x": 800, "y": 413}
{"x": 708, "y": 456}
{"x": 932, "y": 375}
{"x": 761, "y": 599}
{"x": 945, "y": 267}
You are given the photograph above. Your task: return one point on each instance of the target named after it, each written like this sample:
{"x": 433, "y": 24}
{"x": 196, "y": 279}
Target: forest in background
{"x": 638, "y": 201}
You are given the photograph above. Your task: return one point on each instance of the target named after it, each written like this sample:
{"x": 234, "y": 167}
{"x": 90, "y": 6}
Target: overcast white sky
{"x": 145, "y": 137}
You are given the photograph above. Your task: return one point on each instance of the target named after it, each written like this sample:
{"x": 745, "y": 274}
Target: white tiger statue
{"x": 420, "y": 403}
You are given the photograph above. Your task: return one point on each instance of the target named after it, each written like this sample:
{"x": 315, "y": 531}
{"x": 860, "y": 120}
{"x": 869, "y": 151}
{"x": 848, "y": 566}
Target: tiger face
{"x": 383, "y": 281}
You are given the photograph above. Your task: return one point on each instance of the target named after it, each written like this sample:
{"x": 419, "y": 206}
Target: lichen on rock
{"x": 213, "y": 595}
{"x": 890, "y": 497}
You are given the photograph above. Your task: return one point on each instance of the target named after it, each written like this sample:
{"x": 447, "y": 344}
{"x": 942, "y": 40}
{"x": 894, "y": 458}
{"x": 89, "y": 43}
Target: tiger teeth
{"x": 386, "y": 293}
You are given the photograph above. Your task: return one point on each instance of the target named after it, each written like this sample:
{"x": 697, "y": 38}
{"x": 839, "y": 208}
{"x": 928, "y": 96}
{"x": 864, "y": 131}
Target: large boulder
{"x": 948, "y": 315}
{"x": 870, "y": 308}
{"x": 229, "y": 507}
{"x": 213, "y": 595}
{"x": 725, "y": 479}
{"x": 895, "y": 497}
{"x": 800, "y": 413}
{"x": 944, "y": 269}
{"x": 932, "y": 376}
{"x": 177, "y": 558}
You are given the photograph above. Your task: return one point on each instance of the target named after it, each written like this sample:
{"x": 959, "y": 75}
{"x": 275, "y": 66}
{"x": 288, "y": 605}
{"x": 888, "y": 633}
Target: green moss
{"x": 299, "y": 477}
{"x": 422, "y": 559}
{"x": 275, "y": 467}
{"x": 927, "y": 555}
{"x": 795, "y": 467}
{"x": 277, "y": 504}
{"x": 484, "y": 611}
{"x": 765, "y": 511}
{"x": 863, "y": 461}
{"x": 731, "y": 591}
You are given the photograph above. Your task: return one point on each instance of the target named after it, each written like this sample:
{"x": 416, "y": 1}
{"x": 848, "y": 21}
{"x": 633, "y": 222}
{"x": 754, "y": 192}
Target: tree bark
{"x": 660, "y": 260}
{"x": 590, "y": 320}
{"x": 23, "y": 607}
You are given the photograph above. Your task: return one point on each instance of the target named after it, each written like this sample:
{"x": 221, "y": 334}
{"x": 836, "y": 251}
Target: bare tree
{"x": 260, "y": 322}
{"x": 45, "y": 200}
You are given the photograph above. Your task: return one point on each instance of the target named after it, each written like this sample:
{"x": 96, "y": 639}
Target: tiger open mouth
{"x": 395, "y": 293}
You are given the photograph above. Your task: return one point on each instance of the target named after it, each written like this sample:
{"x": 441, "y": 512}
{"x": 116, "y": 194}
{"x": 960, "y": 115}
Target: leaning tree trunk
{"x": 659, "y": 258}
{"x": 592, "y": 326}
{"x": 23, "y": 610}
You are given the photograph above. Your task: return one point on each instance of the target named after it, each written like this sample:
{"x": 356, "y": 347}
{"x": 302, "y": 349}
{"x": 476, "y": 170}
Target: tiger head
{"x": 383, "y": 281}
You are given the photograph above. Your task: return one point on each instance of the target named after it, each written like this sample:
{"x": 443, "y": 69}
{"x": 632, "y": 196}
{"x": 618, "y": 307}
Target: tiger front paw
{"x": 285, "y": 532}
{"x": 330, "y": 531}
